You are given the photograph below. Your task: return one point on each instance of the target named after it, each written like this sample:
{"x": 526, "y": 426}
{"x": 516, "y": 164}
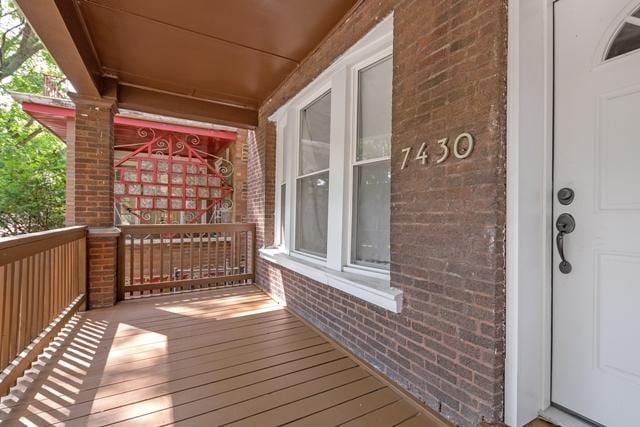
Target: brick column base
{"x": 102, "y": 267}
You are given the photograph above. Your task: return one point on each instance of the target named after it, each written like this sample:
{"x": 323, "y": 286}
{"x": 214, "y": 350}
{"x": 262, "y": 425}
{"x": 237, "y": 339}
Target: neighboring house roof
{"x": 55, "y": 113}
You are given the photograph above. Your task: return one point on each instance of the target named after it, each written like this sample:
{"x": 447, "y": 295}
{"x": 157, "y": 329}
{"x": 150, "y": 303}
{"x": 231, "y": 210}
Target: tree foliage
{"x": 32, "y": 160}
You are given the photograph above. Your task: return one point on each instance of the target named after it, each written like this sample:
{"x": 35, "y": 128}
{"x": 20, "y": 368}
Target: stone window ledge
{"x": 373, "y": 290}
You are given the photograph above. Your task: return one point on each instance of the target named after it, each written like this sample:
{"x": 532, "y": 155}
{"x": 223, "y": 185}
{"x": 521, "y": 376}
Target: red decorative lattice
{"x": 168, "y": 180}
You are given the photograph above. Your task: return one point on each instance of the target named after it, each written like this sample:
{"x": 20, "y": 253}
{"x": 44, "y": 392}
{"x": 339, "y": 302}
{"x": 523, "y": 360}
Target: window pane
{"x": 627, "y": 40}
{"x": 374, "y": 111}
{"x": 315, "y": 129}
{"x": 312, "y": 213}
{"x": 372, "y": 214}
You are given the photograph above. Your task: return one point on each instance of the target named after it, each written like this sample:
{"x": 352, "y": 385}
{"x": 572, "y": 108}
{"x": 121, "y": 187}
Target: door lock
{"x": 565, "y": 225}
{"x": 566, "y": 196}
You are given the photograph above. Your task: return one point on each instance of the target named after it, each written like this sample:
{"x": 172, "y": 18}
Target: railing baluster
{"x": 191, "y": 258}
{"x": 181, "y": 256}
{"x": 46, "y": 307}
{"x": 236, "y": 252}
{"x": 224, "y": 254}
{"x": 12, "y": 327}
{"x": 28, "y": 301}
{"x": 217, "y": 249}
{"x": 200, "y": 253}
{"x": 34, "y": 284}
{"x": 151, "y": 258}
{"x": 41, "y": 274}
{"x": 246, "y": 252}
{"x": 200, "y": 264}
{"x": 209, "y": 260}
{"x": 141, "y": 258}
{"x": 57, "y": 282}
{"x": 170, "y": 256}
{"x": 254, "y": 253}
{"x": 161, "y": 257}
{"x": 7, "y": 313}
{"x": 22, "y": 301}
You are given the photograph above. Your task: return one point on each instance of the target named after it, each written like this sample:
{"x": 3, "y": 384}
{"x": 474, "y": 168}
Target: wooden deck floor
{"x": 224, "y": 357}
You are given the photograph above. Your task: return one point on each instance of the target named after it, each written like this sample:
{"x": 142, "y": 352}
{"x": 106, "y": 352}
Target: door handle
{"x": 565, "y": 225}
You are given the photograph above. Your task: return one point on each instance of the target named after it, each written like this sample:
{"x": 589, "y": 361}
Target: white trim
{"x": 337, "y": 190}
{"x": 281, "y": 178}
{"x": 529, "y": 196}
{"x": 561, "y": 418}
{"x": 364, "y": 270}
{"x": 310, "y": 174}
{"x": 339, "y": 81}
{"x": 374, "y": 291}
{"x": 310, "y": 96}
{"x": 350, "y": 159}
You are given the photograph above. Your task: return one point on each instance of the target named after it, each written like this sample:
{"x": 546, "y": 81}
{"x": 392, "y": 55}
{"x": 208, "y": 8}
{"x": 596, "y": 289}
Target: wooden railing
{"x": 156, "y": 259}
{"x": 42, "y": 284}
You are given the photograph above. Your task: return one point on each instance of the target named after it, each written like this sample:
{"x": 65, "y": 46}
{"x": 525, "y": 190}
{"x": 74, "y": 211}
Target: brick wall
{"x": 70, "y": 191}
{"x": 239, "y": 160}
{"x": 447, "y": 221}
{"x": 90, "y": 194}
{"x": 102, "y": 253}
{"x": 91, "y": 162}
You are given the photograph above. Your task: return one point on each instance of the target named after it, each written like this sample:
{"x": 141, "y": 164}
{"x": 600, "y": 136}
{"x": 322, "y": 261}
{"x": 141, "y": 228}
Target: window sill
{"x": 370, "y": 289}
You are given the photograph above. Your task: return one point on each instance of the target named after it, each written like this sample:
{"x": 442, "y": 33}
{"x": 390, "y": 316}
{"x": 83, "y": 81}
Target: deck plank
{"x": 389, "y": 415}
{"x": 348, "y": 410}
{"x": 216, "y": 357}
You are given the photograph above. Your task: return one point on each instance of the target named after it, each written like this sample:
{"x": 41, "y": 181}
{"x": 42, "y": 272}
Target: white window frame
{"x": 352, "y": 141}
{"x": 337, "y": 269}
{"x": 293, "y": 144}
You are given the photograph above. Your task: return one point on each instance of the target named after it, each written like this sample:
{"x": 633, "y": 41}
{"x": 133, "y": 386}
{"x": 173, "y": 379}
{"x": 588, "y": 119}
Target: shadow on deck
{"x": 223, "y": 357}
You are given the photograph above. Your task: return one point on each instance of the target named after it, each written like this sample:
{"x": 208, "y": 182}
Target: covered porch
{"x": 374, "y": 213}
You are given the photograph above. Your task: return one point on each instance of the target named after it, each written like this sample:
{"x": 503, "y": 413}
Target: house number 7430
{"x": 445, "y": 151}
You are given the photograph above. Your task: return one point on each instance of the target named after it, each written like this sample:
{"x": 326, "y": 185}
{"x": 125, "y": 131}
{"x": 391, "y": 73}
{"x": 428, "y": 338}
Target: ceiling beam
{"x": 134, "y": 98}
{"x": 61, "y": 30}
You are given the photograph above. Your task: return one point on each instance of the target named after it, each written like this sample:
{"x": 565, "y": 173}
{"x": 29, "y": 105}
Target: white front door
{"x": 596, "y": 305}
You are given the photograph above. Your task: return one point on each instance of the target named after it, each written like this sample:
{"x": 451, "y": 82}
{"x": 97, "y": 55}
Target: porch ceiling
{"x": 202, "y": 59}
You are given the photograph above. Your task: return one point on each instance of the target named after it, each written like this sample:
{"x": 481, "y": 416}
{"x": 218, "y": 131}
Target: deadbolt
{"x": 565, "y": 196}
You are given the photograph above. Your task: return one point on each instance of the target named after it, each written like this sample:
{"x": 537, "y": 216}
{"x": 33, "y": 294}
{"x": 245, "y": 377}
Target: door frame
{"x": 529, "y": 218}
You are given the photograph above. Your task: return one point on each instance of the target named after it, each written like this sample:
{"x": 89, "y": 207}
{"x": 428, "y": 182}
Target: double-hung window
{"x": 371, "y": 167}
{"x": 312, "y": 181}
{"x": 333, "y": 176}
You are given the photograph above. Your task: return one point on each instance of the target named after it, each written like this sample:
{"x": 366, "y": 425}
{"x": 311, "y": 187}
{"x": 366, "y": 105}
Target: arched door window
{"x": 627, "y": 39}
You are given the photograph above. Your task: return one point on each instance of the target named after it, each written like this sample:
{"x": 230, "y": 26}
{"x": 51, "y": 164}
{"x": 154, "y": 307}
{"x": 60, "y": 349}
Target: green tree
{"x": 32, "y": 160}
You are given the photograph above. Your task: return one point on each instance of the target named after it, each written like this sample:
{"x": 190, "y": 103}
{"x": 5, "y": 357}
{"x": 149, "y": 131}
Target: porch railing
{"x": 42, "y": 285}
{"x": 156, "y": 259}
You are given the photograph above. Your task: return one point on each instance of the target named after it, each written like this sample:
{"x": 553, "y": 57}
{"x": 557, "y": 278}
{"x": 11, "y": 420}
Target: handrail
{"x": 14, "y": 247}
{"x": 42, "y": 284}
{"x": 156, "y": 259}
